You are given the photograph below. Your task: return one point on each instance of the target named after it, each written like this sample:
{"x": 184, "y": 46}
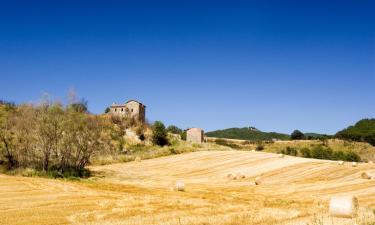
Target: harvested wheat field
{"x": 292, "y": 191}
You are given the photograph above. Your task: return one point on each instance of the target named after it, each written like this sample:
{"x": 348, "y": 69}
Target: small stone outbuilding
{"x": 195, "y": 135}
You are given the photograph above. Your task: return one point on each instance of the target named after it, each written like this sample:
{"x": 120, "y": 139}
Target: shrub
{"x": 339, "y": 155}
{"x": 159, "y": 134}
{"x": 290, "y": 151}
{"x": 173, "y": 151}
{"x": 260, "y": 147}
{"x": 174, "y": 129}
{"x": 321, "y": 152}
{"x": 352, "y": 157}
{"x": 183, "y": 135}
{"x": 305, "y": 152}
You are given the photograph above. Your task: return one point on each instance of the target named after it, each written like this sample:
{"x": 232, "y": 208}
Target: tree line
{"x": 50, "y": 136}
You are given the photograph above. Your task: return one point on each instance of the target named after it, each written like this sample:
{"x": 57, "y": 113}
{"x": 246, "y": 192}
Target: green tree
{"x": 174, "y": 129}
{"x": 107, "y": 110}
{"x": 159, "y": 136}
{"x": 297, "y": 135}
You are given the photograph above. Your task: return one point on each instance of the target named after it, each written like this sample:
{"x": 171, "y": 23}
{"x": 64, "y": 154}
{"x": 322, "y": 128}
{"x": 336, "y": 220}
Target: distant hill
{"x": 247, "y": 133}
{"x": 316, "y": 136}
{"x": 363, "y": 130}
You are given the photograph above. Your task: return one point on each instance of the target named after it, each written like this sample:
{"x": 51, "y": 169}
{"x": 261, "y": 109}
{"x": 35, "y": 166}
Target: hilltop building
{"x": 131, "y": 109}
{"x": 195, "y": 135}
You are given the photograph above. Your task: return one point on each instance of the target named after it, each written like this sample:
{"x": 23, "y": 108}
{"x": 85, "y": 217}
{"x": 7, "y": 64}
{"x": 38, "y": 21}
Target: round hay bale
{"x": 354, "y": 164}
{"x": 371, "y": 162}
{"x": 258, "y": 181}
{"x": 340, "y": 163}
{"x": 180, "y": 186}
{"x": 366, "y": 175}
{"x": 230, "y": 176}
{"x": 240, "y": 176}
{"x": 343, "y": 206}
{"x": 281, "y": 155}
{"x": 138, "y": 159}
{"x": 253, "y": 150}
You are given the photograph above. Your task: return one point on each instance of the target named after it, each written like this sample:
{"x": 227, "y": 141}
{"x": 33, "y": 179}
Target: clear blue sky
{"x": 275, "y": 65}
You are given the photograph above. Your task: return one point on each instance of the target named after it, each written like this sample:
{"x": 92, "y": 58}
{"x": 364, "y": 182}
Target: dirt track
{"x": 294, "y": 191}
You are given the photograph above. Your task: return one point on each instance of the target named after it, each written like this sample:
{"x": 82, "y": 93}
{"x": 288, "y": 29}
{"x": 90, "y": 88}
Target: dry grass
{"x": 293, "y": 191}
{"x": 151, "y": 151}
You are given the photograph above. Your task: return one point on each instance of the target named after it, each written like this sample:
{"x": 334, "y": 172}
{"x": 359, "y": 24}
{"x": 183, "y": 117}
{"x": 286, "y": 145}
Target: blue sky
{"x": 275, "y": 65}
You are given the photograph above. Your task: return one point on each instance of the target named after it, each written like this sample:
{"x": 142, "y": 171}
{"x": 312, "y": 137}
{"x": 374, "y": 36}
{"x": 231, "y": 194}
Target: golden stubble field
{"x": 293, "y": 191}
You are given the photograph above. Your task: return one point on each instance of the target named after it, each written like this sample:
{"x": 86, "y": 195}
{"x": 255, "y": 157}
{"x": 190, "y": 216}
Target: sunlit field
{"x": 293, "y": 191}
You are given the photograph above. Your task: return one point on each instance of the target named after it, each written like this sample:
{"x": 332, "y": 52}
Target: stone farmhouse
{"x": 131, "y": 109}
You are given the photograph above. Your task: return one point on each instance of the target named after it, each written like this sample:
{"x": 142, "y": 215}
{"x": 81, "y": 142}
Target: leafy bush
{"x": 290, "y": 151}
{"x": 305, "y": 152}
{"x": 322, "y": 152}
{"x": 174, "y": 129}
{"x": 183, "y": 135}
{"x": 260, "y": 147}
{"x": 352, "y": 157}
{"x": 173, "y": 151}
{"x": 159, "y": 134}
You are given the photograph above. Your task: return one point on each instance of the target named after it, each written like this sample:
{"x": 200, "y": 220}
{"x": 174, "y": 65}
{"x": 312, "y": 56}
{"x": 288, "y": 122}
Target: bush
{"x": 305, "y": 152}
{"x": 290, "y": 151}
{"x": 352, "y": 157}
{"x": 173, "y": 151}
{"x": 260, "y": 147}
{"x": 174, "y": 129}
{"x": 159, "y": 134}
{"x": 183, "y": 135}
{"x": 321, "y": 152}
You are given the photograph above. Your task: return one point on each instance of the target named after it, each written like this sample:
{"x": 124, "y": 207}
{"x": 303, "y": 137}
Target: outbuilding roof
{"x": 114, "y": 105}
